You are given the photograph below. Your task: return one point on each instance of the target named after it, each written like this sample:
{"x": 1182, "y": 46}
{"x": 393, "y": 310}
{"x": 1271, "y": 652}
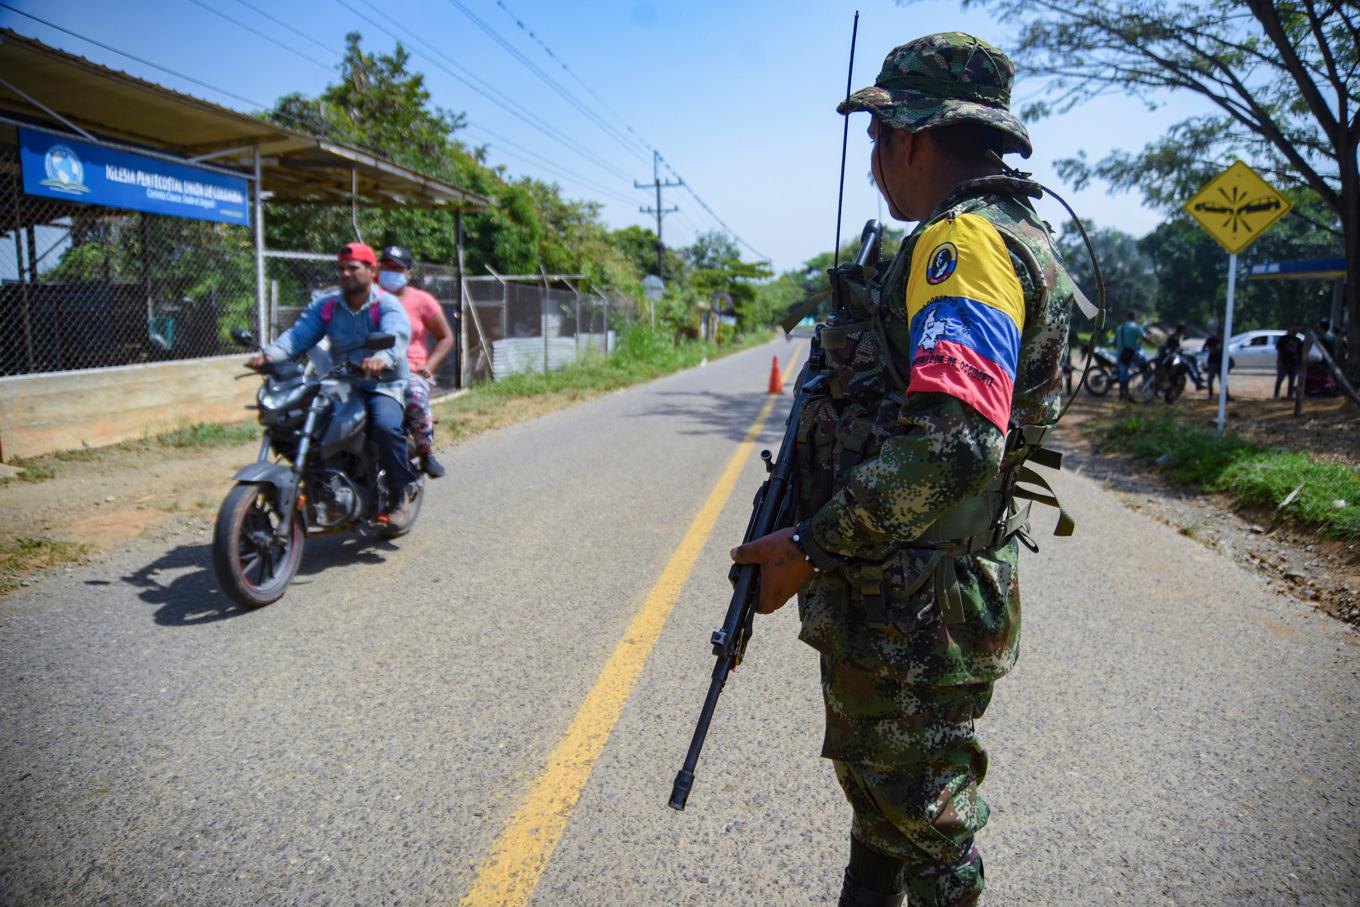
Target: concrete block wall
{"x": 42, "y": 414}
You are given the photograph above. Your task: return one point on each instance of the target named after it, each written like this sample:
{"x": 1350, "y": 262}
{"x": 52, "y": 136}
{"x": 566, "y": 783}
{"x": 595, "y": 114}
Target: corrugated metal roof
{"x": 298, "y": 166}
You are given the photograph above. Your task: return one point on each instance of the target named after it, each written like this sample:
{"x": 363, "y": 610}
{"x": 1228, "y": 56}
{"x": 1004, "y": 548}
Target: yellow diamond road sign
{"x": 1237, "y": 206}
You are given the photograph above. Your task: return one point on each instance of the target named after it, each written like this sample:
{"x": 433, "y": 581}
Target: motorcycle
{"x": 1104, "y": 371}
{"x": 1166, "y": 377}
{"x": 324, "y": 478}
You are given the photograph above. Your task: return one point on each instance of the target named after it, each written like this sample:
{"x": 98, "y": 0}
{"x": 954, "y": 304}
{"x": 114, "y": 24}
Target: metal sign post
{"x": 1235, "y": 208}
{"x": 1227, "y": 332}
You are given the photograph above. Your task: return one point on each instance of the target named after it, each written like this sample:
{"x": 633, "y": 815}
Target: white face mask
{"x": 392, "y": 281}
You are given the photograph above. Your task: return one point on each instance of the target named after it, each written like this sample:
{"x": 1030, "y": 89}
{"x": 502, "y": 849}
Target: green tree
{"x": 1130, "y": 280}
{"x": 1282, "y": 76}
{"x": 380, "y": 104}
{"x": 718, "y": 268}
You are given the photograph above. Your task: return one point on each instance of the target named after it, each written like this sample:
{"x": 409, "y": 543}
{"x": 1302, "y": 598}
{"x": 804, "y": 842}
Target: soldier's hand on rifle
{"x": 783, "y": 571}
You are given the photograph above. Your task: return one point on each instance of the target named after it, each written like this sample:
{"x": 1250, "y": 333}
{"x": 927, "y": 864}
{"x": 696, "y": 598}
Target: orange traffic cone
{"x": 776, "y": 378}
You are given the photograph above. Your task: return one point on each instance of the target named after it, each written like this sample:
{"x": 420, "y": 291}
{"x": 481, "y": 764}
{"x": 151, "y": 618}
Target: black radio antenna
{"x": 845, "y": 139}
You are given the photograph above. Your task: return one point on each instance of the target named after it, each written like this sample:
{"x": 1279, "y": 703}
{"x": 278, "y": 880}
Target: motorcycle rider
{"x": 427, "y": 318}
{"x": 347, "y": 319}
{"x": 1172, "y": 343}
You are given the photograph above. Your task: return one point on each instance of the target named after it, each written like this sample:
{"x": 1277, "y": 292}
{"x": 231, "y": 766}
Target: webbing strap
{"x": 947, "y": 592}
{"x": 804, "y": 309}
{"x": 1024, "y": 474}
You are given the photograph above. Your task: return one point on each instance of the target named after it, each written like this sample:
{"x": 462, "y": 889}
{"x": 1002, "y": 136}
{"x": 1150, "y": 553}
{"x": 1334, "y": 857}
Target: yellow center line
{"x": 520, "y": 855}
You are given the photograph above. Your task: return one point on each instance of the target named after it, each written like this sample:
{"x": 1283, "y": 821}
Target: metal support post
{"x": 261, "y": 304}
{"x": 24, "y": 287}
{"x": 464, "y": 379}
{"x": 1227, "y": 336}
{"x": 545, "y": 318}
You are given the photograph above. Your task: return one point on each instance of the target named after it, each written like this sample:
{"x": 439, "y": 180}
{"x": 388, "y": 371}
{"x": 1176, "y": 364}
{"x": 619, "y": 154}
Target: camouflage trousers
{"x": 910, "y": 764}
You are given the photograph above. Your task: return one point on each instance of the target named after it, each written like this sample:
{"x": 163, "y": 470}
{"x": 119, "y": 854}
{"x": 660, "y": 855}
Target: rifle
{"x": 772, "y": 509}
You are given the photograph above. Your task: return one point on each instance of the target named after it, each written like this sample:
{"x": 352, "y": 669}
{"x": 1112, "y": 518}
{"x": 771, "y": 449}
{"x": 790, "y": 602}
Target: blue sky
{"x": 739, "y": 96}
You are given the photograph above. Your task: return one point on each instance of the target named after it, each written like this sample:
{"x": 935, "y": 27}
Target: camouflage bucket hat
{"x": 940, "y": 80}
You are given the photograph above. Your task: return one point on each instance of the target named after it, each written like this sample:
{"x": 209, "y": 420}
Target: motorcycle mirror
{"x": 380, "y": 341}
{"x": 242, "y": 337}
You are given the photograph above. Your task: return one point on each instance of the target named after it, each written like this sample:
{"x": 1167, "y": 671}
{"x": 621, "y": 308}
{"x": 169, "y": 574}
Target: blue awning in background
{"x": 1305, "y": 269}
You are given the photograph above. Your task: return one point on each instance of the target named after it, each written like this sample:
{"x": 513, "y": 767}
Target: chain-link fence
{"x": 526, "y": 323}
{"x": 83, "y": 286}
{"x": 295, "y": 279}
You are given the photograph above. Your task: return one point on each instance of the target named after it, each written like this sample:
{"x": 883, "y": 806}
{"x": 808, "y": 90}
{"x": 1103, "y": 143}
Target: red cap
{"x": 357, "y": 251}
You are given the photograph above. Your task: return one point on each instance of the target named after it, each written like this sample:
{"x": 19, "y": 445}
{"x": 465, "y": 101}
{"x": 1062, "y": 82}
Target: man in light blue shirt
{"x": 1128, "y": 349}
{"x": 347, "y": 318}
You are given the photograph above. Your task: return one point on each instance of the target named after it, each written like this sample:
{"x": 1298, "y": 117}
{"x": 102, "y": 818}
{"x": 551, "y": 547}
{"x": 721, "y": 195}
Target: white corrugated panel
{"x": 525, "y": 354}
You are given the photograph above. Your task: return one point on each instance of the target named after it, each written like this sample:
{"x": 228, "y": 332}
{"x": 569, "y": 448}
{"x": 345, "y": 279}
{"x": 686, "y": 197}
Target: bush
{"x": 1252, "y": 473}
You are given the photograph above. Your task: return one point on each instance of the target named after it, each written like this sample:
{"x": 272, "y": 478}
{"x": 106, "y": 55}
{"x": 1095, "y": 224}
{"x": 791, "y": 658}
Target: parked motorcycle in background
{"x": 1166, "y": 377}
{"x": 1104, "y": 372}
{"x": 325, "y": 477}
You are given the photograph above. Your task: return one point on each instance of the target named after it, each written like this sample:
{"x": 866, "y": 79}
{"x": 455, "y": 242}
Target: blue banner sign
{"x": 56, "y": 166}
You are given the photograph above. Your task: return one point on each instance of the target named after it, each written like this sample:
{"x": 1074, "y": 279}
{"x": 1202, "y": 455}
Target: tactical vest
{"x": 856, "y": 395}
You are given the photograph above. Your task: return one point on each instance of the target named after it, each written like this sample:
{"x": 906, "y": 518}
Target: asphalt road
{"x": 1173, "y": 734}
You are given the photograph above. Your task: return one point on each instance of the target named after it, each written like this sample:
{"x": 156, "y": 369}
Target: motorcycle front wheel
{"x": 1143, "y": 387}
{"x": 254, "y": 566}
{"x": 1176, "y": 388}
{"x": 1098, "y": 382}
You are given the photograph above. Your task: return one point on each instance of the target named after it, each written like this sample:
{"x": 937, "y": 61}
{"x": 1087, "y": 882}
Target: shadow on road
{"x": 727, "y": 415}
{"x": 191, "y": 596}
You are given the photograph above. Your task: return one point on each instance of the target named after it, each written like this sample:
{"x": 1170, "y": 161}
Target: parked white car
{"x": 1254, "y": 351}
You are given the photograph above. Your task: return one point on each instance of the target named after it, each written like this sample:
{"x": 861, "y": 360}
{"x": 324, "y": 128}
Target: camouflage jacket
{"x": 962, "y": 340}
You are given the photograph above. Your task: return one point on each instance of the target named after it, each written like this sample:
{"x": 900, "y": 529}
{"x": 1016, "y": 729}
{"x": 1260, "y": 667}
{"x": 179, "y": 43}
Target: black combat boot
{"x": 854, "y": 894}
{"x": 433, "y": 468}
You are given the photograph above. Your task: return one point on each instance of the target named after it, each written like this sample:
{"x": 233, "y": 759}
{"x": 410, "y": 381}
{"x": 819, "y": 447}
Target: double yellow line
{"x": 517, "y": 860}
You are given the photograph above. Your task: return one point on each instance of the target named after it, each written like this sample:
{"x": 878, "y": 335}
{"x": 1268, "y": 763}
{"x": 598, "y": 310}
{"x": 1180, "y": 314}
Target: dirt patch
{"x": 1292, "y": 560}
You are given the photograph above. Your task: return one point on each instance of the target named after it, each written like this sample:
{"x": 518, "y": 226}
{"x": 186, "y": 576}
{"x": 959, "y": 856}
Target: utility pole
{"x": 658, "y": 210}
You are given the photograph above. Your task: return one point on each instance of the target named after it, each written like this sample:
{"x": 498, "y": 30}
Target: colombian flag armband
{"x": 965, "y": 309}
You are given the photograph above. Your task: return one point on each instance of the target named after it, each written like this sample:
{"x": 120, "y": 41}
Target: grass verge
{"x": 641, "y": 356}
{"x": 200, "y": 436}
{"x": 1329, "y": 499}
{"x": 20, "y": 557}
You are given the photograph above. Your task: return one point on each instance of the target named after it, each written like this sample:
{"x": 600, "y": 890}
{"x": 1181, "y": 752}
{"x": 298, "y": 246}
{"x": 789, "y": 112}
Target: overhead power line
{"x": 268, "y": 37}
{"x": 546, "y": 163}
{"x": 279, "y": 22}
{"x": 703, "y": 204}
{"x": 688, "y": 188}
{"x": 569, "y": 71}
{"x": 142, "y": 60}
{"x": 547, "y": 79}
{"x": 471, "y": 80}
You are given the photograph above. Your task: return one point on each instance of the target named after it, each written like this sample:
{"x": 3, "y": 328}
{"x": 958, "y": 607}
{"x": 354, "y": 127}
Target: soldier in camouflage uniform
{"x": 937, "y": 390}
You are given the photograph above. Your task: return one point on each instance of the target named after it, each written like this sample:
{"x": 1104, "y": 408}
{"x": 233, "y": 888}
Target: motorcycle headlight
{"x": 277, "y": 398}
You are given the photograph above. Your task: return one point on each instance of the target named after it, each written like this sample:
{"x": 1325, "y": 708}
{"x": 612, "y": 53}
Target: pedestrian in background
{"x": 1288, "y": 353}
{"x": 1128, "y": 349}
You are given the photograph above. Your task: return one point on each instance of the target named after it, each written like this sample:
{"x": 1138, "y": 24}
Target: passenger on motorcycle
{"x": 346, "y": 318}
{"x": 427, "y": 319}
